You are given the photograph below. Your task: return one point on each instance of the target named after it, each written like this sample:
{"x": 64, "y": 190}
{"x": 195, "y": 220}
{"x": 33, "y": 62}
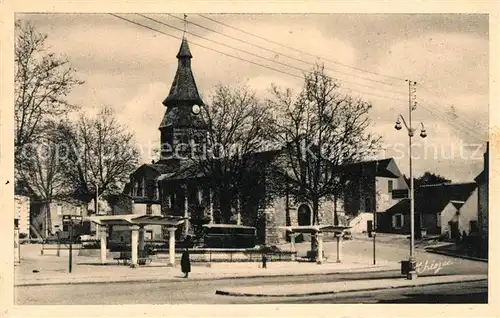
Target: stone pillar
{"x": 141, "y": 241}
{"x": 238, "y": 211}
{"x": 200, "y": 195}
{"x": 104, "y": 248}
{"x": 271, "y": 231}
{"x": 319, "y": 237}
{"x": 171, "y": 246}
{"x": 292, "y": 241}
{"x": 339, "y": 247}
{"x": 134, "y": 242}
{"x": 186, "y": 211}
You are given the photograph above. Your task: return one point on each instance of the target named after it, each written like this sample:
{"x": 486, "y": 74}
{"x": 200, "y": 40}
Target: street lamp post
{"x": 412, "y": 105}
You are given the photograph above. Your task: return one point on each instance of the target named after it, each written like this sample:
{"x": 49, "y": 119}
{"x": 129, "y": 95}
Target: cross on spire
{"x": 185, "y": 23}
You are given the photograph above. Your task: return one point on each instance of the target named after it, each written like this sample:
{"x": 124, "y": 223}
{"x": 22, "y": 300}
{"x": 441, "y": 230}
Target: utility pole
{"x": 374, "y": 227}
{"x": 96, "y": 199}
{"x": 70, "y": 244}
{"x": 412, "y": 105}
{"x": 412, "y": 197}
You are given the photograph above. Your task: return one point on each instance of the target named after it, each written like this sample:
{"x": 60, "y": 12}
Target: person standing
{"x": 185, "y": 263}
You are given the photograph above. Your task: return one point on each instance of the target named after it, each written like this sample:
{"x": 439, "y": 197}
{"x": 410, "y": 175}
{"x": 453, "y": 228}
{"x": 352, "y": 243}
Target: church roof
{"x": 183, "y": 90}
{"x": 182, "y": 117}
{"x": 184, "y": 51}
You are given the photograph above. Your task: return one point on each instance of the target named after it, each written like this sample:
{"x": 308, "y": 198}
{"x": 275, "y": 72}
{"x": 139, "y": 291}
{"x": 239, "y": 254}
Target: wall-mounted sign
{"x": 400, "y": 194}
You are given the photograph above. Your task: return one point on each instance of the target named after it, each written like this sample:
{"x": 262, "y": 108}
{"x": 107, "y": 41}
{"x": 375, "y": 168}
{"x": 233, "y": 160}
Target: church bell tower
{"x": 181, "y": 126}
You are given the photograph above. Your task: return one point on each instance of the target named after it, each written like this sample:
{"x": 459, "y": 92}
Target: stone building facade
{"x": 173, "y": 187}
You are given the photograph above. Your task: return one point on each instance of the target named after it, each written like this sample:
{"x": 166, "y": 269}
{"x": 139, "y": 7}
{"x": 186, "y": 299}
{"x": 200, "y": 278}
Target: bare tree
{"x": 103, "y": 154}
{"x": 42, "y": 176}
{"x": 236, "y": 129}
{"x": 42, "y": 82}
{"x": 322, "y": 130}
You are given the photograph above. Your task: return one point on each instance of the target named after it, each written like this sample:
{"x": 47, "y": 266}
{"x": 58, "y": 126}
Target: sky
{"x": 131, "y": 68}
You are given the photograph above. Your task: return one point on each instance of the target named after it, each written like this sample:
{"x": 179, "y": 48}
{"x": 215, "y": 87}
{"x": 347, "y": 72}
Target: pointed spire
{"x": 184, "y": 51}
{"x": 183, "y": 93}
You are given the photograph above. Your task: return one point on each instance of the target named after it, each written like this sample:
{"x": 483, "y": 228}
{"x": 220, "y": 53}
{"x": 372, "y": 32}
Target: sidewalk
{"x": 448, "y": 251}
{"x": 87, "y": 271}
{"x": 300, "y": 290}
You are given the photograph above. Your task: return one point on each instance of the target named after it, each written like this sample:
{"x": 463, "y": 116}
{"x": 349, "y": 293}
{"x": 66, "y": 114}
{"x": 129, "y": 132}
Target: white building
{"x": 22, "y": 213}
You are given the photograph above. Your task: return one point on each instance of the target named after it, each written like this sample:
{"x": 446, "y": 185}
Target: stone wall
{"x": 273, "y": 235}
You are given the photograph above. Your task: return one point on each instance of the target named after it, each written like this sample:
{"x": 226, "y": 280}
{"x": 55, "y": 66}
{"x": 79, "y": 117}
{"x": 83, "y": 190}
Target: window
{"x": 59, "y": 209}
{"x": 390, "y": 185}
{"x": 149, "y": 209}
{"x": 155, "y": 192}
{"x": 397, "y": 221}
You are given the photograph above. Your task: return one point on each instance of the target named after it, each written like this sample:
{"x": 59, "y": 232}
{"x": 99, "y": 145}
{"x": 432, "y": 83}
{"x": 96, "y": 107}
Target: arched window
{"x": 304, "y": 215}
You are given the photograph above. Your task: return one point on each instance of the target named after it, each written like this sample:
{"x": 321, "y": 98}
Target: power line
{"x": 452, "y": 124}
{"x": 257, "y": 55}
{"x": 282, "y": 54}
{"x": 234, "y": 56}
{"x": 205, "y": 47}
{"x": 270, "y": 68}
{"x": 300, "y": 51}
{"x": 472, "y": 125}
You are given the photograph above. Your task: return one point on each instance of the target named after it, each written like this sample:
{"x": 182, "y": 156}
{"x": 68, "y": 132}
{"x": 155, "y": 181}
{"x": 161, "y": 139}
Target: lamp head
{"x": 398, "y": 125}
{"x": 423, "y": 134}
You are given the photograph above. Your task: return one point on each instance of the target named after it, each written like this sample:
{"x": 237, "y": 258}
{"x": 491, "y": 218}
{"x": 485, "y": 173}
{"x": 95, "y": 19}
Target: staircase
{"x": 358, "y": 222}
{"x": 35, "y": 234}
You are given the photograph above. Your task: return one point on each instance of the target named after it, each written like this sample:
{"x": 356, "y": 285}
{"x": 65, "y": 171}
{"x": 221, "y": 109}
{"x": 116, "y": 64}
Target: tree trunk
{"x": 48, "y": 221}
{"x": 315, "y": 212}
{"x": 314, "y": 241}
{"x": 335, "y": 215}
{"x": 95, "y": 205}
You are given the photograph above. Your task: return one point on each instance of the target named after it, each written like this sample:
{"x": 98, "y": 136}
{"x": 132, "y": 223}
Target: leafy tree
{"x": 42, "y": 175}
{"x": 428, "y": 178}
{"x": 322, "y": 131}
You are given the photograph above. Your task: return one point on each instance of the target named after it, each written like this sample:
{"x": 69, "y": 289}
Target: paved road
{"x": 190, "y": 291}
{"x": 203, "y": 292}
{"x": 461, "y": 293}
{"x": 394, "y": 253}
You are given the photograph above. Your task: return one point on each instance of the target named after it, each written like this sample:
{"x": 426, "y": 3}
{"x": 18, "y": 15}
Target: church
{"x": 172, "y": 186}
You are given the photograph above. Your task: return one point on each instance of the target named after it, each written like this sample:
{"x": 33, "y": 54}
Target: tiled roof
{"x": 184, "y": 51}
{"x": 480, "y": 177}
{"x": 385, "y": 167}
{"x": 434, "y": 198}
{"x": 182, "y": 117}
{"x": 183, "y": 90}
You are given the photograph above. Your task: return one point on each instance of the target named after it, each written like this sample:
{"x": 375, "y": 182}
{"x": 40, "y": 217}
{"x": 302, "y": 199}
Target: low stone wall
{"x": 230, "y": 255}
{"x": 92, "y": 252}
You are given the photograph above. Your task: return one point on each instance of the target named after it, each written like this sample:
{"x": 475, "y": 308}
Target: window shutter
{"x": 394, "y": 221}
